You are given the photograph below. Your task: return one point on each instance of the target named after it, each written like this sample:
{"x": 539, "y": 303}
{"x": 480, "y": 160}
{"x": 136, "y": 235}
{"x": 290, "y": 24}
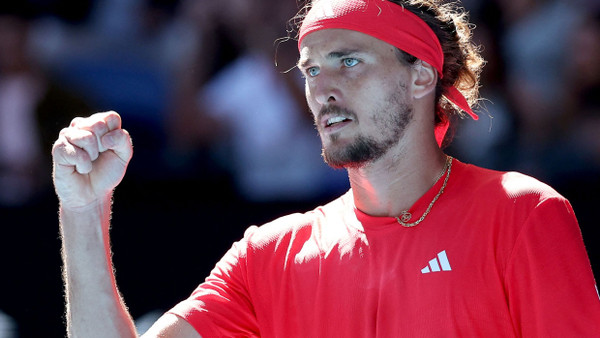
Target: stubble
{"x": 391, "y": 119}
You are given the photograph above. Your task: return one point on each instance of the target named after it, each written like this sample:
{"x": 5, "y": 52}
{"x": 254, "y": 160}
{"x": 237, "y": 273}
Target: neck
{"x": 395, "y": 182}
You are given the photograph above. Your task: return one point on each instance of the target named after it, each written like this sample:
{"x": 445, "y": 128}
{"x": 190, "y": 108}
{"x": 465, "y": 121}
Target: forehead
{"x": 327, "y": 40}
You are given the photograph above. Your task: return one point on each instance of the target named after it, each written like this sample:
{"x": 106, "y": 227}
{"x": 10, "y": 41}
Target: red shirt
{"x": 499, "y": 255}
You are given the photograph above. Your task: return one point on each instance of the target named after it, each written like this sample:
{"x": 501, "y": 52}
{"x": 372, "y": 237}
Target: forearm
{"x": 94, "y": 305}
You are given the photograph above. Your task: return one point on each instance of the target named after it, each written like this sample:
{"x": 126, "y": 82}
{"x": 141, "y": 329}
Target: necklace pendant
{"x": 405, "y": 216}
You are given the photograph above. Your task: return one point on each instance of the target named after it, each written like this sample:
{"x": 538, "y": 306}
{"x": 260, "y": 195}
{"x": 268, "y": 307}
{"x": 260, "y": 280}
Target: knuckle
{"x": 75, "y": 137}
{"x": 76, "y": 121}
{"x": 88, "y": 139}
{"x": 58, "y": 146}
{"x": 126, "y": 136}
{"x": 98, "y": 126}
{"x": 78, "y": 156}
{"x": 121, "y": 136}
{"x": 113, "y": 121}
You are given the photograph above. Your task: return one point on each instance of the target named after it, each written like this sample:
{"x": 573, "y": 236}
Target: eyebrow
{"x": 332, "y": 55}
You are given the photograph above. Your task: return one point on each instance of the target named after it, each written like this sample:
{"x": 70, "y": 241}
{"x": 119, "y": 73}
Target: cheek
{"x": 310, "y": 100}
{"x": 368, "y": 91}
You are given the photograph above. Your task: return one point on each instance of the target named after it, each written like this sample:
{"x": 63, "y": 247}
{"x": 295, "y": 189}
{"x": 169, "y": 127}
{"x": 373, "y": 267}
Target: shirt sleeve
{"x": 550, "y": 285}
{"x": 221, "y": 306}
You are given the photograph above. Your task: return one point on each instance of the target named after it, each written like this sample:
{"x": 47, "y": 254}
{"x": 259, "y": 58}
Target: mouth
{"x": 329, "y": 122}
{"x": 334, "y": 118}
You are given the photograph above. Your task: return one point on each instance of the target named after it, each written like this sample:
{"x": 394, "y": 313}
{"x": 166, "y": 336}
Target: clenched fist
{"x": 90, "y": 159}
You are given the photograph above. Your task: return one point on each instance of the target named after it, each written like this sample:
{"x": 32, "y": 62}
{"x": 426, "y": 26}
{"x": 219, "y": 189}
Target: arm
{"x": 94, "y": 306}
{"x": 169, "y": 325}
{"x": 550, "y": 284}
{"x": 90, "y": 159}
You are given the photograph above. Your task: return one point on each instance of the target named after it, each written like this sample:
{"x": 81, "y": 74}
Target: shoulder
{"x": 506, "y": 197}
{"x": 510, "y": 186}
{"x": 300, "y": 226}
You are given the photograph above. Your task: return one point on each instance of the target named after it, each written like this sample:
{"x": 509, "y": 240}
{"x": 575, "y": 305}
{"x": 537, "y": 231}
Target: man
{"x": 422, "y": 245}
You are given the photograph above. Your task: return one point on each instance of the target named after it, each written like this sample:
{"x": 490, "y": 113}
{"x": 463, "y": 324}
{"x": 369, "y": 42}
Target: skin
{"x": 388, "y": 105}
{"x": 90, "y": 159}
{"x": 353, "y": 78}
{"x": 381, "y": 93}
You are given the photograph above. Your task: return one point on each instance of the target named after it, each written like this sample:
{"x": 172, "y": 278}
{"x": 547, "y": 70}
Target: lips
{"x": 335, "y": 120}
{"x": 335, "y": 116}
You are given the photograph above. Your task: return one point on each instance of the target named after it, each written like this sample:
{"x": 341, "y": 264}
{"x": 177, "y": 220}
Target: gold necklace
{"x": 405, "y": 216}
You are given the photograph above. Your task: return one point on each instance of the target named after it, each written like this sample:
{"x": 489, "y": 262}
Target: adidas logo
{"x": 439, "y": 263}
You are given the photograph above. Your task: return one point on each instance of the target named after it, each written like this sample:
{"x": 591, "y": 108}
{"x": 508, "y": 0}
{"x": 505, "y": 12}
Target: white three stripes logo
{"x": 440, "y": 263}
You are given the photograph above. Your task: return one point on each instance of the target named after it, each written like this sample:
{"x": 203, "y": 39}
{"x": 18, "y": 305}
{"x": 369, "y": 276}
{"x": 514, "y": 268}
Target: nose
{"x": 325, "y": 98}
{"x": 324, "y": 88}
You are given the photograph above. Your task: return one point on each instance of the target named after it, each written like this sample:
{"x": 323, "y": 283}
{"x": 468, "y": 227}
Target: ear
{"x": 424, "y": 79}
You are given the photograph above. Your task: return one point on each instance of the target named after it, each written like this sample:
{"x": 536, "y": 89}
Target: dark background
{"x": 184, "y": 199}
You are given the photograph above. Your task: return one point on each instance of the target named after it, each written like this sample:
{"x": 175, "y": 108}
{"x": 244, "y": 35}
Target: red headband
{"x": 391, "y": 23}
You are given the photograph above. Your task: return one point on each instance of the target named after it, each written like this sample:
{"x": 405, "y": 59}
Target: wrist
{"x": 96, "y": 205}
{"x": 88, "y": 219}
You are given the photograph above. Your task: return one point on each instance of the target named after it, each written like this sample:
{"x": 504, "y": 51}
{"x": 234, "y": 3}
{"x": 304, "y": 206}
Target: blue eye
{"x": 313, "y": 71}
{"x": 350, "y": 62}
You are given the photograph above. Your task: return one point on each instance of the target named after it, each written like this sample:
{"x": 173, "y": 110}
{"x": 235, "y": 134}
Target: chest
{"x": 385, "y": 282}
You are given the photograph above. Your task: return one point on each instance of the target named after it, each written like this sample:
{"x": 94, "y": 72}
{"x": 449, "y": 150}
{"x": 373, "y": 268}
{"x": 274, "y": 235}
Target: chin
{"x": 345, "y": 159}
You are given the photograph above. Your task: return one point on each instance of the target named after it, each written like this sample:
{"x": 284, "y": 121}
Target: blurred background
{"x": 223, "y": 138}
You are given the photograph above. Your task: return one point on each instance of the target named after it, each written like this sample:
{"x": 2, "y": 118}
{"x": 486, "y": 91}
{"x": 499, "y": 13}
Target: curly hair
{"x": 462, "y": 60}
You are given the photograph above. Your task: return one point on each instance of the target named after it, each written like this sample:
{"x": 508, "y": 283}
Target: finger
{"x": 112, "y": 119}
{"x": 84, "y": 140}
{"x": 120, "y": 142}
{"x": 75, "y": 121}
{"x": 68, "y": 157}
{"x": 97, "y": 125}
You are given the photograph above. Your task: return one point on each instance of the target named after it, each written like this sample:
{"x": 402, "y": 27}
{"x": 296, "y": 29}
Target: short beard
{"x": 364, "y": 149}
{"x": 356, "y": 155}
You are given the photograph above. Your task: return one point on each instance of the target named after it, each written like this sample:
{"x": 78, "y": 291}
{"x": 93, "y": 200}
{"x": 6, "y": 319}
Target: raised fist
{"x": 90, "y": 158}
